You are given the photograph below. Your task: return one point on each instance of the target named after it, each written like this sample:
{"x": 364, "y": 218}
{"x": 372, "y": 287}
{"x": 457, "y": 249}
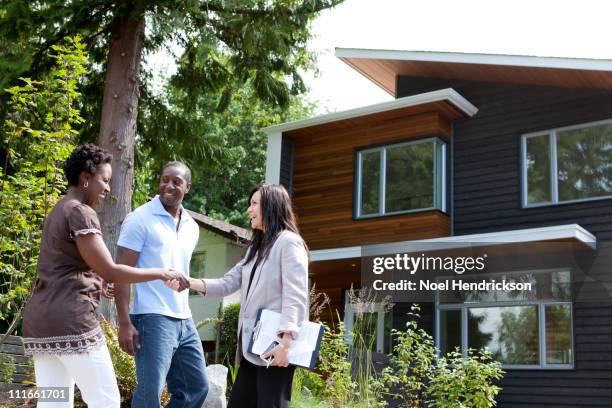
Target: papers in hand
{"x": 304, "y": 350}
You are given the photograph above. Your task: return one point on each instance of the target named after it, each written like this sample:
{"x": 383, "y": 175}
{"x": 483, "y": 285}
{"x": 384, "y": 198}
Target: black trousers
{"x": 261, "y": 387}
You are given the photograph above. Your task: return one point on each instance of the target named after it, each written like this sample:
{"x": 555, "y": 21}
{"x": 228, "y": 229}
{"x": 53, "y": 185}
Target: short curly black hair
{"x": 86, "y": 157}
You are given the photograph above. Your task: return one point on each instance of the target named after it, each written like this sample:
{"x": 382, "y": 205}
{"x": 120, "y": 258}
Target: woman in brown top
{"x": 60, "y": 327}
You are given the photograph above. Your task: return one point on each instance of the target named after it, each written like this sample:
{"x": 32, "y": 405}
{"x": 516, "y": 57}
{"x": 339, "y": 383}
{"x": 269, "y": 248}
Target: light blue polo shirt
{"x": 151, "y": 231}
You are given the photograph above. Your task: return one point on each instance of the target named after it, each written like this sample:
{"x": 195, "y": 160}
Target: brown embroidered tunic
{"x": 60, "y": 318}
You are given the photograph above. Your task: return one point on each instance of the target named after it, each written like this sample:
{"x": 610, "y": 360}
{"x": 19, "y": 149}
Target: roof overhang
{"x": 232, "y": 232}
{"x": 448, "y": 96}
{"x": 570, "y": 232}
{"x": 383, "y": 66}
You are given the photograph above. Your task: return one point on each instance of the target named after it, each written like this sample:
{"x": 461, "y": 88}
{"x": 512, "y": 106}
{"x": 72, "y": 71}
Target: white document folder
{"x": 304, "y": 350}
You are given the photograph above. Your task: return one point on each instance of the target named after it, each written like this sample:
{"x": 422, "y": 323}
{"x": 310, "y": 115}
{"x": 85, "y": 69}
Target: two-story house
{"x": 475, "y": 148}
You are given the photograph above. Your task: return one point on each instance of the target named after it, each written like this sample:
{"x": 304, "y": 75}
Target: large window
{"x": 400, "y": 178}
{"x": 567, "y": 164}
{"x": 529, "y": 329}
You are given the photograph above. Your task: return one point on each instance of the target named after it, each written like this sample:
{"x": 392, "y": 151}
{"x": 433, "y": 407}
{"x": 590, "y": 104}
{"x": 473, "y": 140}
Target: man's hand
{"x": 129, "y": 341}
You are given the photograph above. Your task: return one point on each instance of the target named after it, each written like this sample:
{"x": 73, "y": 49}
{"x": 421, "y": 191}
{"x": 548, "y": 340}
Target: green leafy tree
{"x": 39, "y": 134}
{"x": 220, "y": 191}
{"x": 226, "y": 44}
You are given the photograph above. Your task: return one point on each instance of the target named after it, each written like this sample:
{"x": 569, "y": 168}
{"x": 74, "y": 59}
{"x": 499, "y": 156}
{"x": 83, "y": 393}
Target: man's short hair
{"x": 180, "y": 165}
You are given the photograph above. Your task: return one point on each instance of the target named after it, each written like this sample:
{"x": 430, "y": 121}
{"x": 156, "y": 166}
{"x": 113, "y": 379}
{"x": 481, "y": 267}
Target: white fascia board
{"x": 557, "y": 232}
{"x": 586, "y": 64}
{"x": 273, "y": 157}
{"x": 336, "y": 253}
{"x": 447, "y": 94}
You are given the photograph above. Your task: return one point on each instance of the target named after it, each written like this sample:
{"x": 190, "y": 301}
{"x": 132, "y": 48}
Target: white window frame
{"x": 372, "y": 307}
{"x": 554, "y": 176}
{"x": 383, "y": 178}
{"x": 540, "y": 303}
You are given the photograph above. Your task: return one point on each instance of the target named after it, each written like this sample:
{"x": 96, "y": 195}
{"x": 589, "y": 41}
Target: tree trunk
{"x": 118, "y": 128}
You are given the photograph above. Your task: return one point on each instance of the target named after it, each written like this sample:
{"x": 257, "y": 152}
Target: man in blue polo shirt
{"x": 159, "y": 329}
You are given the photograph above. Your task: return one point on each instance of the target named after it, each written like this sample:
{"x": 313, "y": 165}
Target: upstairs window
{"x": 400, "y": 178}
{"x": 567, "y": 164}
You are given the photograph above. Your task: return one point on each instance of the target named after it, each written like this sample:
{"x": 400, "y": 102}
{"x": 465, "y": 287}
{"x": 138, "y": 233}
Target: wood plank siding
{"x": 323, "y": 181}
{"x": 487, "y": 198}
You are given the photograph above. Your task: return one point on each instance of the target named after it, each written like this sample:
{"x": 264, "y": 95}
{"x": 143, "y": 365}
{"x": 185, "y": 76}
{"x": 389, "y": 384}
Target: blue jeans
{"x": 170, "y": 351}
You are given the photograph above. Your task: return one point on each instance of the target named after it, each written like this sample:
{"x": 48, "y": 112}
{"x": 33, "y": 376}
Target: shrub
{"x": 410, "y": 363}
{"x": 307, "y": 389}
{"x": 37, "y": 136}
{"x": 416, "y": 374}
{"x": 125, "y": 367}
{"x": 7, "y": 365}
{"x": 464, "y": 382}
{"x": 228, "y": 333}
{"x": 365, "y": 304}
{"x": 335, "y": 367}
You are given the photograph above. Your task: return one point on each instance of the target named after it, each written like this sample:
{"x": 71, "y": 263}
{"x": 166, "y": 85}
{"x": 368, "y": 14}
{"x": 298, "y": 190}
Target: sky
{"x": 561, "y": 28}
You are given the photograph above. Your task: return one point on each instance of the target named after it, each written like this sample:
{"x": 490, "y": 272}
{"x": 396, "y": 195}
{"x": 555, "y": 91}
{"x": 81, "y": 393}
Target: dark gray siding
{"x": 401, "y": 316}
{"x": 286, "y": 168}
{"x": 487, "y": 198}
{"x": 486, "y": 158}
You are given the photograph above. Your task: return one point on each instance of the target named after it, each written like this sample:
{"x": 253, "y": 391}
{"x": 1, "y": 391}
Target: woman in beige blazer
{"x": 273, "y": 275}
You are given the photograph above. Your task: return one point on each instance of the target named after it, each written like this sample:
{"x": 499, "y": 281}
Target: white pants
{"x": 92, "y": 372}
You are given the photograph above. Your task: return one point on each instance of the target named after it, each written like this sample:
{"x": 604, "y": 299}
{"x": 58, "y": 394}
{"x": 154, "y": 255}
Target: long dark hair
{"x": 277, "y": 214}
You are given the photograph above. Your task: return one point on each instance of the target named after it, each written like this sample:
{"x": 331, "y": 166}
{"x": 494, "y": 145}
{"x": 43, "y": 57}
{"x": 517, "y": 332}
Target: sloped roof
{"x": 225, "y": 229}
{"x": 383, "y": 66}
{"x": 448, "y": 96}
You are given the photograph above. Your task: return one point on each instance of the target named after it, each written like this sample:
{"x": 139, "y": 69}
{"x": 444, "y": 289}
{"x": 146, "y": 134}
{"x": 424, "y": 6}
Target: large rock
{"x": 217, "y": 384}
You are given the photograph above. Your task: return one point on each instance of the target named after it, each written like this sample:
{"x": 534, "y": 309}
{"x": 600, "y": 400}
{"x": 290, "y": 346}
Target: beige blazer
{"x": 280, "y": 283}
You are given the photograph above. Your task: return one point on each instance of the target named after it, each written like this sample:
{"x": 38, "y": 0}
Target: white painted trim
{"x": 484, "y": 59}
{"x": 273, "y": 157}
{"x": 557, "y": 232}
{"x": 554, "y": 168}
{"x": 448, "y": 94}
{"x": 335, "y": 253}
